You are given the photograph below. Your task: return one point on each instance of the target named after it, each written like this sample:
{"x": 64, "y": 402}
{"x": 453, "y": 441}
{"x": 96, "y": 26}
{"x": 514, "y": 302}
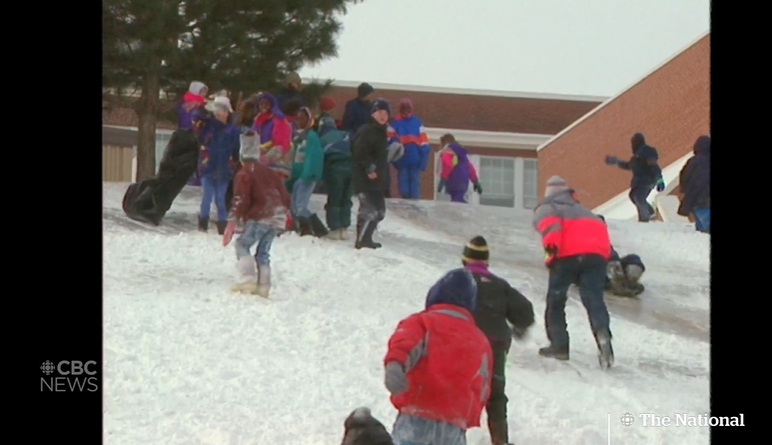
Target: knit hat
{"x": 380, "y": 104}
{"x": 223, "y": 103}
{"x": 292, "y": 77}
{"x": 196, "y": 87}
{"x": 326, "y": 103}
{"x": 476, "y": 250}
{"x": 555, "y": 184}
{"x": 457, "y": 287}
{"x": 364, "y": 89}
{"x": 406, "y": 105}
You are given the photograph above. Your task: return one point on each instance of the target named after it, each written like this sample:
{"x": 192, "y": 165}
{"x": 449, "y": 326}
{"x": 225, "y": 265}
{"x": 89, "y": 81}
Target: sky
{"x": 581, "y": 47}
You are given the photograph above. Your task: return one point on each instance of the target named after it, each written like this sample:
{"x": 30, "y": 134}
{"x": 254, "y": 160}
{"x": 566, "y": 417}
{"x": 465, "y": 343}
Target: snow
{"x": 188, "y": 362}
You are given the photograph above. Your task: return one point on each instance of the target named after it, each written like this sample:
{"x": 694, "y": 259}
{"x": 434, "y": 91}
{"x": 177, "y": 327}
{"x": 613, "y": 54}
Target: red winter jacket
{"x": 566, "y": 224}
{"x": 448, "y": 363}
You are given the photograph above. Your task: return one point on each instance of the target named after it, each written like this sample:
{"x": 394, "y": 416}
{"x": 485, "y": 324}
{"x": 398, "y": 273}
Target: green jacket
{"x": 307, "y": 159}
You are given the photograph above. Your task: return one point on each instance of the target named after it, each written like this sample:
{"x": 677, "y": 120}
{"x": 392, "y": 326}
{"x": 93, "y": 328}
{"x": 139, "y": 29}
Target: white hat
{"x": 555, "y": 184}
{"x": 224, "y": 102}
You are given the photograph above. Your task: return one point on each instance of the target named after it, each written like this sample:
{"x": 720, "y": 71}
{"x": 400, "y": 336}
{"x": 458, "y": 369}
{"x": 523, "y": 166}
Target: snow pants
{"x": 497, "y": 403}
{"x": 214, "y": 189}
{"x": 372, "y": 207}
{"x": 638, "y": 196}
{"x": 409, "y": 181}
{"x": 337, "y": 179}
{"x": 457, "y": 197}
{"x": 589, "y": 272}
{"x": 411, "y": 430}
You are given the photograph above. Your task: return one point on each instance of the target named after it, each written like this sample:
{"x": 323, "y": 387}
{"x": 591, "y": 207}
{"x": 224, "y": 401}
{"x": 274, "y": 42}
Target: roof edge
{"x": 469, "y": 91}
{"x": 629, "y": 87}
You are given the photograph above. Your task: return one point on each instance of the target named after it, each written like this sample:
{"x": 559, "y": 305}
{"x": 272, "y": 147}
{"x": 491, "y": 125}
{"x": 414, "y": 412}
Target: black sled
{"x": 149, "y": 200}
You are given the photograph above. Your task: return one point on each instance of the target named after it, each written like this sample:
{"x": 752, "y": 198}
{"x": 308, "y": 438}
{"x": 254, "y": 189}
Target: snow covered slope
{"x": 188, "y": 362}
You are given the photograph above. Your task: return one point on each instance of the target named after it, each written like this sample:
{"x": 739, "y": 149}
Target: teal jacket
{"x": 307, "y": 159}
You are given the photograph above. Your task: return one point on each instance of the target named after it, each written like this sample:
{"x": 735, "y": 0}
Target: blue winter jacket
{"x": 357, "y": 113}
{"x": 220, "y": 145}
{"x": 411, "y": 134}
{"x": 643, "y": 164}
{"x": 694, "y": 179}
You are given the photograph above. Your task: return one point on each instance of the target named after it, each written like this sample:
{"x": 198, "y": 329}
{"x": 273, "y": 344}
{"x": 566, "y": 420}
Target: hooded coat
{"x": 643, "y": 164}
{"x": 190, "y": 101}
{"x": 694, "y": 178}
{"x": 273, "y": 127}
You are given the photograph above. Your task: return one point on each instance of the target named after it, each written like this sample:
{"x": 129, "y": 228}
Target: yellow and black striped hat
{"x": 476, "y": 250}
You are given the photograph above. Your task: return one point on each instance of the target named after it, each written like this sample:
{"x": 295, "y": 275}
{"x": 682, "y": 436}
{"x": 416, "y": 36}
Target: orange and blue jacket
{"x": 411, "y": 134}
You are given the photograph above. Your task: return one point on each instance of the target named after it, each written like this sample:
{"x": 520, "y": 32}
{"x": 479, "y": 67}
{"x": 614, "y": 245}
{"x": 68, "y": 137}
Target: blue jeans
{"x": 258, "y": 233}
{"x": 301, "y": 195}
{"x": 214, "y": 189}
{"x": 409, "y": 181}
{"x": 411, "y": 430}
{"x": 702, "y": 219}
{"x": 638, "y": 195}
{"x": 589, "y": 272}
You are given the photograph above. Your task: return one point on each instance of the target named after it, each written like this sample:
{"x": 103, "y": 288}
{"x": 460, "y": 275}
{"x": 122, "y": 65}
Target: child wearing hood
{"x": 439, "y": 386}
{"x": 694, "y": 182}
{"x": 275, "y": 135}
{"x": 307, "y": 163}
{"x": 337, "y": 178}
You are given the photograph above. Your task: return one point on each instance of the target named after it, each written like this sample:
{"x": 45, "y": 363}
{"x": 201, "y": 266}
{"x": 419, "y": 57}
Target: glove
{"x": 229, "y": 231}
{"x": 477, "y": 187}
{"x": 441, "y": 186}
{"x": 611, "y": 160}
{"x": 395, "y": 378}
{"x": 550, "y": 251}
{"x": 519, "y": 334}
{"x": 660, "y": 184}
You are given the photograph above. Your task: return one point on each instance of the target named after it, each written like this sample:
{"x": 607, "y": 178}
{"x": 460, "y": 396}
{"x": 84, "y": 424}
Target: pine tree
{"x": 160, "y": 46}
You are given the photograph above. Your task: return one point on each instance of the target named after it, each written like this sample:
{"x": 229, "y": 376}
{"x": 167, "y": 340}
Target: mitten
{"x": 477, "y": 187}
{"x": 550, "y": 251}
{"x": 395, "y": 378}
{"x": 519, "y": 334}
{"x": 611, "y": 160}
{"x": 441, "y": 186}
{"x": 228, "y": 234}
{"x": 660, "y": 184}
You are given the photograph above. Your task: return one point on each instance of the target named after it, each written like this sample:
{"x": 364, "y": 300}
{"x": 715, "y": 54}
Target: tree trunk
{"x": 147, "y": 112}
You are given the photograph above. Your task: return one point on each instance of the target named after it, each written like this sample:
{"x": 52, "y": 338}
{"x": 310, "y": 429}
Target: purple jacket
{"x": 458, "y": 179}
{"x": 694, "y": 178}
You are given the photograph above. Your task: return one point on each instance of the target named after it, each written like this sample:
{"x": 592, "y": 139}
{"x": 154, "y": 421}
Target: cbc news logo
{"x": 69, "y": 376}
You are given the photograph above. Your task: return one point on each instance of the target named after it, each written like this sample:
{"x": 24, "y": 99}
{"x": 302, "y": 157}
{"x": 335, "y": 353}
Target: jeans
{"x": 638, "y": 195}
{"x": 213, "y": 189}
{"x": 409, "y": 181}
{"x": 702, "y": 219}
{"x": 301, "y": 195}
{"x": 258, "y": 233}
{"x": 589, "y": 272}
{"x": 411, "y": 430}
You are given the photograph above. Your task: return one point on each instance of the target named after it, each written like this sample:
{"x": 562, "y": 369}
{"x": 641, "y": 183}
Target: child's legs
{"x": 266, "y": 234}
{"x": 252, "y": 233}
{"x": 207, "y": 195}
{"x": 220, "y": 190}
{"x": 415, "y": 183}
{"x": 301, "y": 195}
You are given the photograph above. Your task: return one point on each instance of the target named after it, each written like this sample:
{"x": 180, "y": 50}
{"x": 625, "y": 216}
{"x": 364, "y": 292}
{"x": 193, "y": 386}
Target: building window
{"x": 530, "y": 197}
{"x": 497, "y": 177}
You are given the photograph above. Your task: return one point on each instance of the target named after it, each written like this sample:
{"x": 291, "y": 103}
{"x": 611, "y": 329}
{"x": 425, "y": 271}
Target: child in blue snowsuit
{"x": 411, "y": 134}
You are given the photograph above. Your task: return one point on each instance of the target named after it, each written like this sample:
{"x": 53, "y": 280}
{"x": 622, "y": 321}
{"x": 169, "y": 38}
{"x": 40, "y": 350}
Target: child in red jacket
{"x": 440, "y": 386}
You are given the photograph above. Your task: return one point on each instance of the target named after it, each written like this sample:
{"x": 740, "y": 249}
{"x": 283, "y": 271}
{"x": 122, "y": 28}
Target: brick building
{"x": 502, "y": 131}
{"x": 670, "y": 106}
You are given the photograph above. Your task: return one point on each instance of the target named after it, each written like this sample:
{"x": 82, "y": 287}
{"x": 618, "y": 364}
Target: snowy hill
{"x": 188, "y": 362}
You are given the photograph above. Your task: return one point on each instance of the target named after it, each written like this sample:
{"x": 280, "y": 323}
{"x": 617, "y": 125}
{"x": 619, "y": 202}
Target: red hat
{"x": 326, "y": 103}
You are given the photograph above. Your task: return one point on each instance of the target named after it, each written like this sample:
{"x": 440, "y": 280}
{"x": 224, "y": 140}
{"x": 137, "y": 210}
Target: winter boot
{"x": 499, "y": 432}
{"x": 263, "y": 280}
{"x": 318, "y": 229}
{"x": 203, "y": 224}
{"x": 557, "y": 353}
{"x": 302, "y": 226}
{"x": 365, "y": 236}
{"x": 247, "y": 276}
{"x": 344, "y": 234}
{"x": 334, "y": 235}
{"x": 605, "y": 351}
{"x": 221, "y": 225}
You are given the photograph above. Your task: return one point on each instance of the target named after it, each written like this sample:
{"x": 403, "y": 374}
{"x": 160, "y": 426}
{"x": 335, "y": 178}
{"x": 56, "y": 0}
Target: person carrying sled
{"x": 336, "y": 175}
{"x": 646, "y": 175}
{"x": 694, "y": 183}
{"x": 497, "y": 303}
{"x": 438, "y": 366}
{"x": 219, "y": 142}
{"x": 411, "y": 134}
{"x": 456, "y": 170}
{"x": 192, "y": 100}
{"x": 623, "y": 274}
{"x": 275, "y": 135}
{"x": 260, "y": 206}
{"x": 370, "y": 166}
{"x": 307, "y": 163}
{"x": 576, "y": 246}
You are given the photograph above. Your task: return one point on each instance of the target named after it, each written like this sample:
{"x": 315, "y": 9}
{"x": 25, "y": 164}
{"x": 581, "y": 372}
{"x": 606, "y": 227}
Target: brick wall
{"x": 427, "y": 177}
{"x": 671, "y": 107}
